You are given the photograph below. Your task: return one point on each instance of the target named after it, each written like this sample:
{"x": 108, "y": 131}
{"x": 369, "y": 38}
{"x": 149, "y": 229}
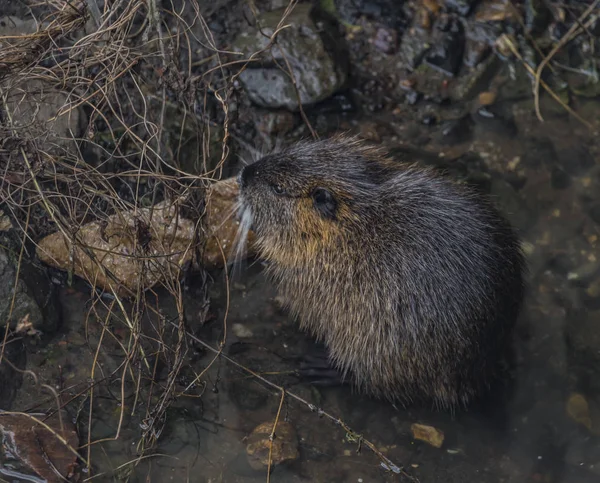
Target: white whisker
{"x": 239, "y": 246}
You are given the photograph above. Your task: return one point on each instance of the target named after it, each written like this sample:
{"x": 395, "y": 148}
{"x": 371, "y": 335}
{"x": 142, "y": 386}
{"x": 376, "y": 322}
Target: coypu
{"x": 412, "y": 281}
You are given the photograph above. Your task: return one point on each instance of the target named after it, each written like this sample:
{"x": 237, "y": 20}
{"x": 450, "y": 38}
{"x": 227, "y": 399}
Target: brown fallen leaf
{"x": 429, "y": 434}
{"x": 38, "y": 449}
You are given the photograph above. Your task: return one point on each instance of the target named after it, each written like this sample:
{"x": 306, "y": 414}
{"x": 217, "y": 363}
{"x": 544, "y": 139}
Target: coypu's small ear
{"x": 324, "y": 202}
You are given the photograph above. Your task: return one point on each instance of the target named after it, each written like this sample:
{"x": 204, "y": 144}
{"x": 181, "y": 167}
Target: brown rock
{"x": 129, "y": 251}
{"x": 137, "y": 249}
{"x": 487, "y": 98}
{"x": 495, "y": 11}
{"x": 585, "y": 412}
{"x": 386, "y": 40}
{"x": 285, "y": 445}
{"x": 40, "y": 449}
{"x": 579, "y": 410}
{"x": 429, "y": 434}
{"x": 432, "y": 5}
{"x": 222, "y": 225}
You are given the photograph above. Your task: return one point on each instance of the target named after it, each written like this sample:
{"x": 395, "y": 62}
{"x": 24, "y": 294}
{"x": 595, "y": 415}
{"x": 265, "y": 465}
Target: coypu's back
{"x": 411, "y": 280}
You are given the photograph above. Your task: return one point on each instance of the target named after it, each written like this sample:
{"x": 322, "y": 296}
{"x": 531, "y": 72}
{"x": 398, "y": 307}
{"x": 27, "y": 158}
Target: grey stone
{"x": 309, "y": 49}
{"x": 46, "y": 112}
{"x": 30, "y": 297}
{"x": 10, "y": 379}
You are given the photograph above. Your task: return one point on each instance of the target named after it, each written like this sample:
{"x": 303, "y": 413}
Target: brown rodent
{"x": 413, "y": 281}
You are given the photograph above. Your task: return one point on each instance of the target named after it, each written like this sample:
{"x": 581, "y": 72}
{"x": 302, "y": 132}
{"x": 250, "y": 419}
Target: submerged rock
{"x": 306, "y": 45}
{"x": 284, "y": 445}
{"x": 11, "y": 379}
{"x": 446, "y": 54}
{"x": 29, "y": 447}
{"x": 388, "y": 12}
{"x": 429, "y": 434}
{"x": 28, "y": 302}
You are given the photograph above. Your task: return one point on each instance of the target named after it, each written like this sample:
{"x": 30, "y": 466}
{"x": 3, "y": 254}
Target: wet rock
{"x": 515, "y": 85}
{"x": 584, "y": 411}
{"x": 388, "y": 12}
{"x": 580, "y": 454}
{"x": 429, "y": 119}
{"x": 370, "y": 130}
{"x": 412, "y": 97}
{"x": 537, "y": 152}
{"x": 537, "y": 16}
{"x": 413, "y": 47}
{"x": 35, "y": 307}
{"x": 5, "y": 223}
{"x": 446, "y": 54}
{"x": 429, "y": 434}
{"x": 386, "y": 40}
{"x": 11, "y": 379}
{"x": 341, "y": 102}
{"x": 310, "y": 48}
{"x": 478, "y": 44}
{"x": 560, "y": 264}
{"x": 467, "y": 86}
{"x": 495, "y": 11}
{"x": 557, "y": 31}
{"x": 432, "y": 5}
{"x": 195, "y": 147}
{"x": 135, "y": 250}
{"x": 457, "y": 131}
{"x": 575, "y": 159}
{"x": 39, "y": 105}
{"x": 241, "y": 331}
{"x": 46, "y": 111}
{"x": 283, "y": 447}
{"x": 119, "y": 247}
{"x": 584, "y": 274}
{"x": 487, "y": 98}
{"x": 274, "y": 122}
{"x": 591, "y": 296}
{"x": 475, "y": 52}
{"x": 494, "y": 119}
{"x": 31, "y": 449}
{"x": 462, "y": 7}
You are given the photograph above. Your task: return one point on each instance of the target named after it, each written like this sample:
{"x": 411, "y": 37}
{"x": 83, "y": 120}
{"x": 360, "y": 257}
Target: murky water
{"x": 546, "y": 178}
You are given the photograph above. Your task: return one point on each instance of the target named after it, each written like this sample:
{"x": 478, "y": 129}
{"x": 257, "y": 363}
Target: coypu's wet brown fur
{"x": 412, "y": 281}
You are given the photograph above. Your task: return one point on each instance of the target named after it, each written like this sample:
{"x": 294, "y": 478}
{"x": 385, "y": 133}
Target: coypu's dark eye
{"x": 278, "y": 189}
{"x": 324, "y": 203}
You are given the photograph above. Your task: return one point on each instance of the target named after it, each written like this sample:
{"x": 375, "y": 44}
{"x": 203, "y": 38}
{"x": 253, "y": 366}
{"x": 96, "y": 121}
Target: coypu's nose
{"x": 246, "y": 175}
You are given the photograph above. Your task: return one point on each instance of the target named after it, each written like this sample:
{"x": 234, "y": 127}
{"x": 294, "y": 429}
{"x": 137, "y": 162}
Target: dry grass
{"x": 108, "y": 83}
{"x": 102, "y": 149}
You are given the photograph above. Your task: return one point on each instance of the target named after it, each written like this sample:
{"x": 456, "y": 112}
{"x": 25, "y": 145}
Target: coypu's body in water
{"x": 412, "y": 281}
